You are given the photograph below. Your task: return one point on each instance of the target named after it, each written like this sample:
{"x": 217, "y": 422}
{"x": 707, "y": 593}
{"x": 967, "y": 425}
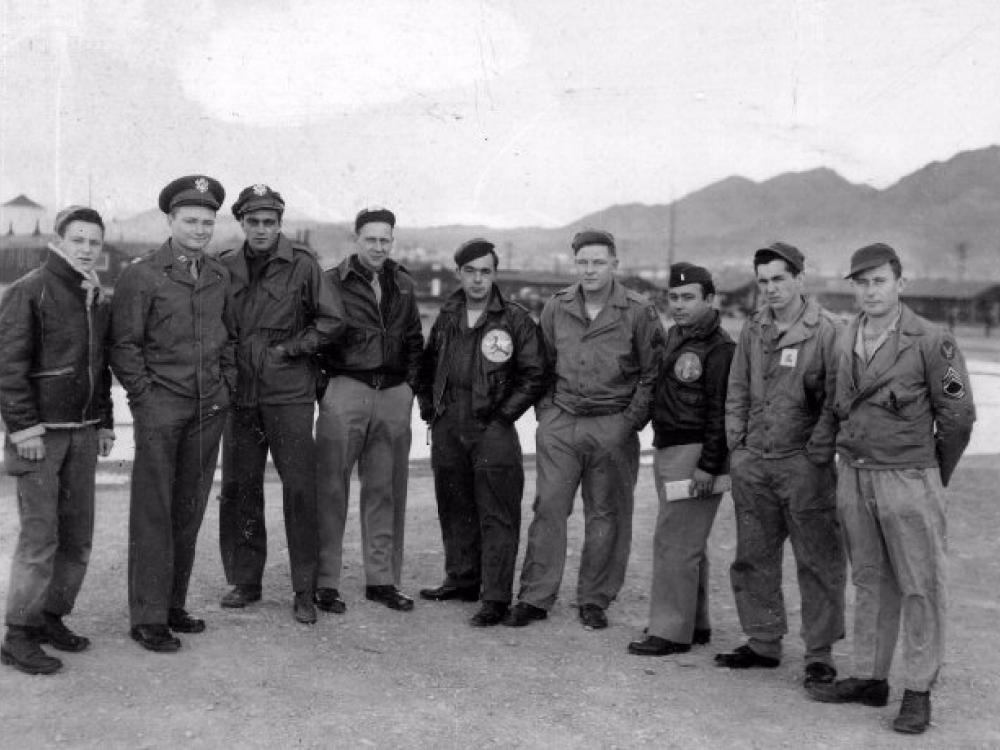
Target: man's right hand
{"x": 31, "y": 449}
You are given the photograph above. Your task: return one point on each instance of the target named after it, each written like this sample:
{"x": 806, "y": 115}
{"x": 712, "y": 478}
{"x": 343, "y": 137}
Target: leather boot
{"x": 914, "y": 713}
{"x": 20, "y": 650}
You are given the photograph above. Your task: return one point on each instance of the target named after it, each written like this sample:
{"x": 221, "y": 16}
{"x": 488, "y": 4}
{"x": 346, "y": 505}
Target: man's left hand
{"x": 104, "y": 445}
{"x": 701, "y": 483}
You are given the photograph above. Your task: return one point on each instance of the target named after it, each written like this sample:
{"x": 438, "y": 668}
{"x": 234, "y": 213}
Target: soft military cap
{"x": 192, "y": 190}
{"x": 472, "y": 250}
{"x": 871, "y": 256}
{"x": 593, "y": 237}
{"x": 688, "y": 273}
{"x": 786, "y": 252}
{"x": 258, "y": 197}
{"x": 369, "y": 215}
{"x": 77, "y": 213}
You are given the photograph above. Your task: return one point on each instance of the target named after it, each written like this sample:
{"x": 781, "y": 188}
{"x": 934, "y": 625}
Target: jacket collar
{"x": 61, "y": 266}
{"x": 702, "y": 328}
{"x": 872, "y": 375}
{"x": 238, "y": 266}
{"x": 346, "y": 267}
{"x": 172, "y": 259}
{"x": 803, "y": 327}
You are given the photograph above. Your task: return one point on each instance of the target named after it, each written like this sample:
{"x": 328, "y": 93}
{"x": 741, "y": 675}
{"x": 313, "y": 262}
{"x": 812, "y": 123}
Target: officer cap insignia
{"x": 192, "y": 190}
{"x": 497, "y": 345}
{"x": 260, "y": 189}
{"x": 257, "y": 197}
{"x": 683, "y": 273}
{"x": 948, "y": 349}
{"x": 687, "y": 368}
{"x": 951, "y": 383}
{"x": 201, "y": 185}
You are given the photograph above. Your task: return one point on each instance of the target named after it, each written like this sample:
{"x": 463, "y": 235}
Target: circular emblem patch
{"x": 687, "y": 368}
{"x": 497, "y": 345}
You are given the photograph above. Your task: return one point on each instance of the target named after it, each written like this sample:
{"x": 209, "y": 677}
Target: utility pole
{"x": 672, "y": 234}
{"x": 961, "y": 254}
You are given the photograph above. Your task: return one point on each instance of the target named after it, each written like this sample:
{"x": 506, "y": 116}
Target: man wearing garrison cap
{"x": 173, "y": 352}
{"x": 780, "y": 427}
{"x": 483, "y": 367}
{"x": 364, "y": 415}
{"x": 283, "y": 311}
{"x": 906, "y": 414}
{"x": 55, "y": 400}
{"x": 689, "y": 416}
{"x": 603, "y": 344}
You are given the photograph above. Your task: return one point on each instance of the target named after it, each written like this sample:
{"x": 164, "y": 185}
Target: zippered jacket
{"x": 54, "y": 343}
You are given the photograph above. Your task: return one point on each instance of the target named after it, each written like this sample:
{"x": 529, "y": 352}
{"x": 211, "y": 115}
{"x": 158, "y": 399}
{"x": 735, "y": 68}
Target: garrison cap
{"x": 789, "y": 253}
{"x": 192, "y": 190}
{"x": 77, "y": 213}
{"x": 369, "y": 215}
{"x": 688, "y": 273}
{"x": 474, "y": 249}
{"x": 593, "y": 237}
{"x": 257, "y": 197}
{"x": 871, "y": 256}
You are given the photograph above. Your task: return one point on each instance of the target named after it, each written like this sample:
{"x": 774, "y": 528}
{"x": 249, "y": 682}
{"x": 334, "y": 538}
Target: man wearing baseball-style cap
{"x": 483, "y": 367}
{"x": 173, "y": 342}
{"x": 905, "y": 408}
{"x": 284, "y": 312}
{"x": 780, "y": 428}
{"x": 364, "y": 414}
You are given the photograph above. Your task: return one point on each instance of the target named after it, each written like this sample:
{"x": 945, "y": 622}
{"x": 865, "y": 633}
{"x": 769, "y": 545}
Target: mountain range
{"x": 944, "y": 219}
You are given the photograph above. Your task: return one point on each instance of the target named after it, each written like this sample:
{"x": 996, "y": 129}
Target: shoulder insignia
{"x": 948, "y": 349}
{"x": 951, "y": 383}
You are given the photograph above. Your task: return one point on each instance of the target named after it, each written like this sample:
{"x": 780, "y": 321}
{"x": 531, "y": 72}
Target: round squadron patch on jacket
{"x": 497, "y": 345}
{"x": 687, "y": 368}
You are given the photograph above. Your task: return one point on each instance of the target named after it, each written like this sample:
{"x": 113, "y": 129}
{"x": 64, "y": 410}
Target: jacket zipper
{"x": 90, "y": 357}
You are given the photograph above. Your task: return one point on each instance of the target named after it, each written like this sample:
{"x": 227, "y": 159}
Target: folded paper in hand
{"x": 680, "y": 489}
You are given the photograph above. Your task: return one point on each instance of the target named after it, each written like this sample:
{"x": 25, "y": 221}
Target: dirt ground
{"x": 377, "y": 678}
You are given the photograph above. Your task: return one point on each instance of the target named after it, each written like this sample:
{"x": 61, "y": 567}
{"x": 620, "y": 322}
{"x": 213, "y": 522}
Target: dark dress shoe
{"x": 851, "y": 690}
{"x": 20, "y": 650}
{"x": 156, "y": 638}
{"x": 56, "y": 634}
{"x": 914, "y": 713}
{"x": 390, "y": 596}
{"x": 745, "y": 658}
{"x": 445, "y": 593}
{"x": 653, "y": 645}
{"x": 593, "y": 617}
{"x": 303, "y": 609}
{"x": 818, "y": 673}
{"x": 180, "y": 621}
{"x": 240, "y": 596}
{"x": 522, "y": 614}
{"x": 489, "y": 614}
{"x": 702, "y": 636}
{"x": 329, "y": 600}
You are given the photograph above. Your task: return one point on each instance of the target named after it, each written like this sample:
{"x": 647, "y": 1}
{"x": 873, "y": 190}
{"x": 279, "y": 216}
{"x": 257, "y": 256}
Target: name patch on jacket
{"x": 789, "y": 357}
{"x": 951, "y": 383}
{"x": 497, "y": 345}
{"x": 687, "y": 368}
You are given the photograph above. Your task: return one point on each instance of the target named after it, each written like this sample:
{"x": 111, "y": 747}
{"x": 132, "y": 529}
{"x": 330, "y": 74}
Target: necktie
{"x": 194, "y": 267}
{"x": 377, "y": 287}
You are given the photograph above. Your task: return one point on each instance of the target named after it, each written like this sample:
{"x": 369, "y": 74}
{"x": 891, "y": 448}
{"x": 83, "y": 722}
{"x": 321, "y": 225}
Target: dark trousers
{"x": 479, "y": 482}
{"x": 285, "y": 430}
{"x": 176, "y": 451}
{"x": 55, "y": 502}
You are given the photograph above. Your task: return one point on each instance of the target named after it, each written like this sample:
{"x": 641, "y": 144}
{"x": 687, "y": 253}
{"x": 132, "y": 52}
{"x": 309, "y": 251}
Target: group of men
{"x": 239, "y": 347}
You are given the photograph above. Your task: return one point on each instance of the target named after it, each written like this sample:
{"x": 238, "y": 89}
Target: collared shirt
{"x": 865, "y": 348}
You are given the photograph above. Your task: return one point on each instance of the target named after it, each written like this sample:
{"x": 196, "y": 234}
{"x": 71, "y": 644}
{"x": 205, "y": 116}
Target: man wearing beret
{"x": 364, "y": 415}
{"x": 906, "y": 415}
{"x": 55, "y": 399}
{"x": 284, "y": 311}
{"x": 173, "y": 352}
{"x": 603, "y": 346}
{"x": 689, "y": 420}
{"x": 483, "y": 366}
{"x": 780, "y": 428}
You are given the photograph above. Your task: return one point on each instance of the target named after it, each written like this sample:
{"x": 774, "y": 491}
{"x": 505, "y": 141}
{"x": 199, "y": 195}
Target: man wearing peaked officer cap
{"x": 284, "y": 312}
{"x": 364, "y": 415}
{"x": 689, "y": 410}
{"x": 173, "y": 339}
{"x": 603, "y": 343}
{"x": 906, "y": 413}
{"x": 482, "y": 368}
{"x": 780, "y": 428}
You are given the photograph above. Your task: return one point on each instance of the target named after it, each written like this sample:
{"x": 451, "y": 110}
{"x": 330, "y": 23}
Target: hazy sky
{"x": 508, "y": 112}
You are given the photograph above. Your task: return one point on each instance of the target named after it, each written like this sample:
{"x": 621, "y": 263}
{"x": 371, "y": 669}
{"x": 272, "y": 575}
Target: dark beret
{"x": 257, "y": 197}
{"x": 871, "y": 256}
{"x": 368, "y": 215}
{"x": 593, "y": 237}
{"x": 77, "y": 213}
{"x": 688, "y": 273}
{"x": 473, "y": 249}
{"x": 192, "y": 190}
{"x": 785, "y": 252}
